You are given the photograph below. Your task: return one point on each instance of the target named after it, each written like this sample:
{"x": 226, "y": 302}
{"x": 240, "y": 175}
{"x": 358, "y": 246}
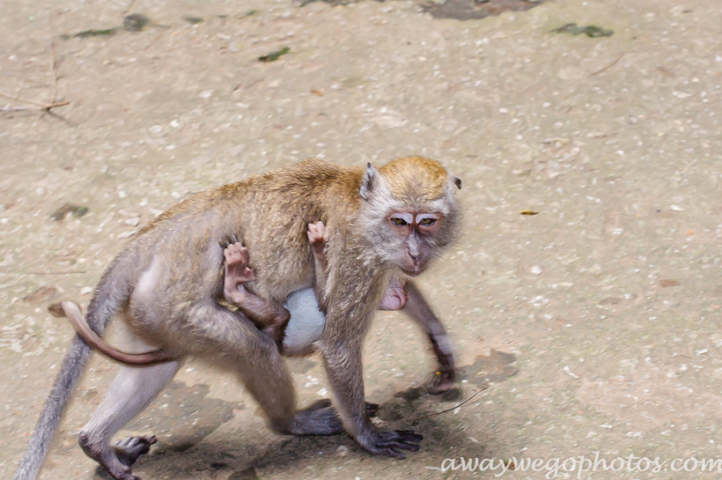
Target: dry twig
{"x": 454, "y": 407}
{"x": 46, "y": 107}
{"x": 607, "y": 67}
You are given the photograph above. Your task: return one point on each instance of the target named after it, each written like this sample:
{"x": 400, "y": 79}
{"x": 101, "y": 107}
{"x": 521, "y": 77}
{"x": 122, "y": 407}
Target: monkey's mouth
{"x": 414, "y": 270}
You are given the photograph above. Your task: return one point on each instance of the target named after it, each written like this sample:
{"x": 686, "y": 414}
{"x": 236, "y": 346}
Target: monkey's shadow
{"x": 183, "y": 458}
{"x": 181, "y": 454}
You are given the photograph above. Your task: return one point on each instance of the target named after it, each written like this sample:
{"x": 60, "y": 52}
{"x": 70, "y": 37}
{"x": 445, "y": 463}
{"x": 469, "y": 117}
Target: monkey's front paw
{"x": 390, "y": 443}
{"x": 317, "y": 234}
{"x": 442, "y": 382}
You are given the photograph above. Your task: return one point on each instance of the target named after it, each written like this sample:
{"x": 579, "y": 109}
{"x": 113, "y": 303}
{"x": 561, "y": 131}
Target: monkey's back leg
{"x": 214, "y": 331}
{"x": 130, "y": 392}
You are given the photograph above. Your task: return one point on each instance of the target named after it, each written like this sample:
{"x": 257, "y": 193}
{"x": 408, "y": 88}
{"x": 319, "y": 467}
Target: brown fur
{"x": 168, "y": 280}
{"x": 415, "y": 177}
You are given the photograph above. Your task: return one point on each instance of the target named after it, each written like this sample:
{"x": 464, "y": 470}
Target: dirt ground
{"x": 592, "y": 326}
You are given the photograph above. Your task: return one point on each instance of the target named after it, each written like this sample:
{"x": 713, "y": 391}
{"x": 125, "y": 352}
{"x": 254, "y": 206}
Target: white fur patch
{"x": 306, "y": 323}
{"x": 145, "y": 288}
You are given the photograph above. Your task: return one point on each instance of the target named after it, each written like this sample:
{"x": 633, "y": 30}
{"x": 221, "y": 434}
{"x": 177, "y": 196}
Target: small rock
{"x": 68, "y": 209}
{"x": 568, "y": 371}
{"x": 135, "y": 22}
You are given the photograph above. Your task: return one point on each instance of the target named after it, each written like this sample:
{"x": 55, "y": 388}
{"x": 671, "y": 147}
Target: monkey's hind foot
{"x": 129, "y": 449}
{"x": 236, "y": 256}
{"x": 116, "y": 460}
{"x": 237, "y": 272}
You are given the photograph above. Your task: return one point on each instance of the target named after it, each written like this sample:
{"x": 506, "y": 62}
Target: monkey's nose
{"x": 415, "y": 256}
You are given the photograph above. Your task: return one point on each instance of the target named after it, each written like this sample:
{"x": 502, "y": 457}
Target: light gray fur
{"x": 306, "y": 323}
{"x": 114, "y": 291}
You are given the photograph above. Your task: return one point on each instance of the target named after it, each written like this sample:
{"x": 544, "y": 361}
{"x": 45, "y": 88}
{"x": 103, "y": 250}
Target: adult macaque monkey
{"x": 166, "y": 283}
{"x": 308, "y": 320}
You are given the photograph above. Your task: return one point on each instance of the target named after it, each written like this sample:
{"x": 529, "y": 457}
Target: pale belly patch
{"x": 306, "y": 323}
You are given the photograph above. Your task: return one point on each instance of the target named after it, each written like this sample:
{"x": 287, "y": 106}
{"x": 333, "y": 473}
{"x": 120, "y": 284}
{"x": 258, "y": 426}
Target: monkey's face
{"x": 413, "y": 231}
{"x": 409, "y": 212}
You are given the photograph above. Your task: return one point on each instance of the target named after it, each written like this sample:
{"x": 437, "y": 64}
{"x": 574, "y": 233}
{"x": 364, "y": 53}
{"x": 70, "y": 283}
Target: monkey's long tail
{"x": 112, "y": 291}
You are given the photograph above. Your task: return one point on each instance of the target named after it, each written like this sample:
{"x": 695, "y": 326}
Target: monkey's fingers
{"x": 410, "y": 436}
{"x": 249, "y": 274}
{"x": 244, "y": 253}
{"x": 443, "y": 381}
{"x": 391, "y": 452}
{"x": 389, "y": 443}
{"x": 322, "y": 232}
{"x": 314, "y": 235}
{"x": 231, "y": 251}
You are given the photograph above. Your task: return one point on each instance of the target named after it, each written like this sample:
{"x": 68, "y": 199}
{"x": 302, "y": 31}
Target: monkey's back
{"x": 268, "y": 213}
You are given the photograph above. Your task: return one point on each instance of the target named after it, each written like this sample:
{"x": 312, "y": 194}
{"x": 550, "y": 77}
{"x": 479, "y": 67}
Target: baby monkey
{"x": 272, "y": 319}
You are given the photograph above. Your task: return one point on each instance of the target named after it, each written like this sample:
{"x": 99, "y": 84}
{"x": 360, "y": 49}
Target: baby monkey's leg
{"x": 270, "y": 318}
{"x": 318, "y": 236}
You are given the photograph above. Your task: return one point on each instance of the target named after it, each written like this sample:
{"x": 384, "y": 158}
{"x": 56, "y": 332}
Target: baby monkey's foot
{"x": 237, "y": 272}
{"x": 318, "y": 236}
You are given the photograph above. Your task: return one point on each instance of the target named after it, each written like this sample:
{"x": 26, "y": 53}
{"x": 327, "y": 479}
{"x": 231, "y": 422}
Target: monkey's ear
{"x": 457, "y": 182}
{"x": 368, "y": 181}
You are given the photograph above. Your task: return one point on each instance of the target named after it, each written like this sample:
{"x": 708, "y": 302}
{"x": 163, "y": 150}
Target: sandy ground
{"x": 593, "y": 326}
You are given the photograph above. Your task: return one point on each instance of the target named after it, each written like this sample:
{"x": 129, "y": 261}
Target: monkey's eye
{"x": 399, "y": 222}
{"x": 428, "y": 220}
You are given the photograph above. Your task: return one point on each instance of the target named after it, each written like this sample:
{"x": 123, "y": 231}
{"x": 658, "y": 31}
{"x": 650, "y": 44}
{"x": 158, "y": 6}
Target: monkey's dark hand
{"x": 379, "y": 442}
{"x": 444, "y": 376}
{"x": 443, "y": 380}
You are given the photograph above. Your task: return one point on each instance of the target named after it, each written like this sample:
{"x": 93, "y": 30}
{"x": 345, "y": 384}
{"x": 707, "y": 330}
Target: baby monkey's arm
{"x": 395, "y": 295}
